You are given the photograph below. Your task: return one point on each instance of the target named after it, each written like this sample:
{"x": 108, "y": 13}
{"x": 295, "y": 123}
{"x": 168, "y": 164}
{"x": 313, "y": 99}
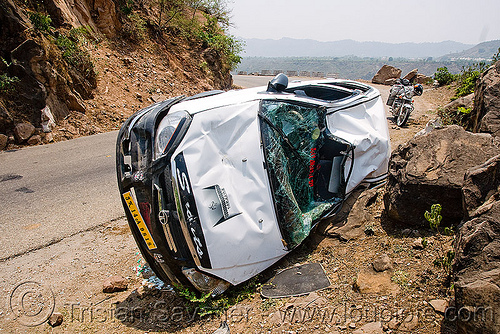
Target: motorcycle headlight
{"x": 168, "y": 131}
{"x": 205, "y": 283}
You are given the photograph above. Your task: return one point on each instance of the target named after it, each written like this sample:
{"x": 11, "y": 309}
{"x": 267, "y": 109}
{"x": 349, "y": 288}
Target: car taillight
{"x": 145, "y": 209}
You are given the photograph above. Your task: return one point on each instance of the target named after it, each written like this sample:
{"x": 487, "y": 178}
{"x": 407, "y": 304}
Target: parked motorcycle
{"x": 401, "y": 100}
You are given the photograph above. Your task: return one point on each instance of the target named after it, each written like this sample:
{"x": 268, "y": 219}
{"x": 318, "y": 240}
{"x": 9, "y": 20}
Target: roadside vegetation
{"x": 466, "y": 79}
{"x": 7, "y": 82}
{"x": 205, "y": 22}
{"x": 464, "y": 84}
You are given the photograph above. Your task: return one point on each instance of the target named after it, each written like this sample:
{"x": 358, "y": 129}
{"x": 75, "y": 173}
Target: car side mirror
{"x": 278, "y": 84}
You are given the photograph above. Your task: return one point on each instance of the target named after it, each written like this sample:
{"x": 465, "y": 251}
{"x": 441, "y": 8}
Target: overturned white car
{"x": 219, "y": 186}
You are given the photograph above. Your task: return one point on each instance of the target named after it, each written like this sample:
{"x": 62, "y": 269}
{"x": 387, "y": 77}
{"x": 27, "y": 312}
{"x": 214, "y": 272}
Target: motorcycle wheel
{"x": 403, "y": 116}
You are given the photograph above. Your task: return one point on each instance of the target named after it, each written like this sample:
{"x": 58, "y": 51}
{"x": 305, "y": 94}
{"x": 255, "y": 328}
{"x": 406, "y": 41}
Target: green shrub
{"x": 443, "y": 76}
{"x": 468, "y": 77}
{"x": 6, "y": 82}
{"x": 74, "y": 54}
{"x": 40, "y": 21}
{"x": 134, "y": 27}
{"x": 215, "y": 37}
{"x": 127, "y": 7}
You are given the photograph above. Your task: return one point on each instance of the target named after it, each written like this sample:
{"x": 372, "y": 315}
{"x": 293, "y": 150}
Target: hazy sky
{"x": 395, "y": 21}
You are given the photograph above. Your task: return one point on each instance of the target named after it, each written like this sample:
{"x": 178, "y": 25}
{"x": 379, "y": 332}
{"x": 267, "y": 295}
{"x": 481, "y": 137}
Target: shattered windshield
{"x": 292, "y": 137}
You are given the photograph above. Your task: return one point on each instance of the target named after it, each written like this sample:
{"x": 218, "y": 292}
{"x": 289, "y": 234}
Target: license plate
{"x": 139, "y": 221}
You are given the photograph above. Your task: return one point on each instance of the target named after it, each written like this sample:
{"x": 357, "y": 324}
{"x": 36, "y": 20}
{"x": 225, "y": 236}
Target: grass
{"x": 206, "y": 305}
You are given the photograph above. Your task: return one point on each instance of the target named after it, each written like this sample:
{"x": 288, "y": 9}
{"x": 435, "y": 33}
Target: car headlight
{"x": 205, "y": 283}
{"x": 168, "y": 131}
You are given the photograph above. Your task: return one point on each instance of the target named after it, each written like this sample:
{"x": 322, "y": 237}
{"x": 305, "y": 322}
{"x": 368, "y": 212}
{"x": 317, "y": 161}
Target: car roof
{"x": 332, "y": 94}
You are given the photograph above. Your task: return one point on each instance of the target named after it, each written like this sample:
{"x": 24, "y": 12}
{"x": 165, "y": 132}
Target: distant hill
{"x": 343, "y": 67}
{"x": 288, "y": 47}
{"x": 483, "y": 50}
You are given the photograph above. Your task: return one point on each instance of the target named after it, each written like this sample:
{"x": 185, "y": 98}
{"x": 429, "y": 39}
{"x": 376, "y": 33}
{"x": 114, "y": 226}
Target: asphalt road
{"x": 53, "y": 191}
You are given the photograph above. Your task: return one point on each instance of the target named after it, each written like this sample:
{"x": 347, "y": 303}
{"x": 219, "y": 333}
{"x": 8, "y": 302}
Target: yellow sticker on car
{"x": 136, "y": 214}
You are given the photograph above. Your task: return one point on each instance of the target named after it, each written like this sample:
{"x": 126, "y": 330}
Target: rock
{"x": 432, "y": 125}
{"x": 382, "y": 263}
{"x": 223, "y": 329}
{"x": 477, "y": 272}
{"x": 409, "y": 324}
{"x": 3, "y": 141}
{"x": 34, "y": 140}
{"x": 439, "y": 305}
{"x": 47, "y": 120}
{"x": 386, "y": 72}
{"x": 481, "y": 185}
{"x": 106, "y": 17}
{"x": 56, "y": 319}
{"x": 430, "y": 169}
{"x": 370, "y": 281}
{"x": 370, "y": 328}
{"x": 486, "y": 116}
{"x": 418, "y": 243}
{"x": 451, "y": 109}
{"x": 22, "y": 131}
{"x": 352, "y": 325}
{"x": 115, "y": 284}
{"x": 48, "y": 138}
{"x": 411, "y": 75}
{"x": 422, "y": 79}
{"x": 357, "y": 216}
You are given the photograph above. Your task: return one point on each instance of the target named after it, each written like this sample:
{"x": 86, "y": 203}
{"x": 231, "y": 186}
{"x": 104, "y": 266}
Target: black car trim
{"x": 190, "y": 221}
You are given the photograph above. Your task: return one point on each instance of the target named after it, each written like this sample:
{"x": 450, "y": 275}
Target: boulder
{"x": 411, "y": 76}
{"x": 22, "y": 131}
{"x": 386, "y": 72}
{"x": 477, "y": 274}
{"x": 430, "y": 169}
{"x": 481, "y": 187}
{"x": 487, "y": 101}
{"x": 422, "y": 79}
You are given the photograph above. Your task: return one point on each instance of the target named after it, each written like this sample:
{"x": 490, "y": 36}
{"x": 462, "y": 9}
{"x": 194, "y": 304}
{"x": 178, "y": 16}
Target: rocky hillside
{"x": 79, "y": 69}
